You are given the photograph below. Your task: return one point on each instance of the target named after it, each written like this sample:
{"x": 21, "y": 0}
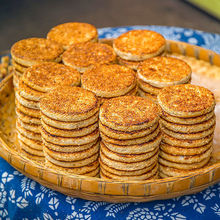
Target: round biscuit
{"x": 147, "y": 95}
{"x": 29, "y": 126}
{"x": 30, "y": 150}
{"x": 27, "y": 119}
{"x": 27, "y": 103}
{"x": 19, "y": 67}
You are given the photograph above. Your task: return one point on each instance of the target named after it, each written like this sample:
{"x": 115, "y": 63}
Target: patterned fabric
{"x": 23, "y": 198}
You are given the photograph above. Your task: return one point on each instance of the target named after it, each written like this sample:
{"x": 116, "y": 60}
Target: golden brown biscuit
{"x": 29, "y": 126}
{"x": 139, "y": 45}
{"x": 84, "y": 55}
{"x": 109, "y": 80}
{"x": 25, "y": 102}
{"x": 164, "y": 71}
{"x": 45, "y": 76}
{"x": 18, "y": 67}
{"x": 128, "y": 63}
{"x": 69, "y": 104}
{"x": 147, "y": 95}
{"x": 129, "y": 113}
{"x": 73, "y": 33}
{"x": 30, "y": 150}
{"x": 186, "y": 100}
{"x": 31, "y": 51}
{"x": 27, "y": 119}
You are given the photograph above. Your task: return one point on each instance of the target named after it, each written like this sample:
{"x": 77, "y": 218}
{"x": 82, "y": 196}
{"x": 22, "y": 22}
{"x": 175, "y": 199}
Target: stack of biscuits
{"x": 187, "y": 123}
{"x": 83, "y": 56}
{"x": 71, "y": 33}
{"x": 110, "y": 80}
{"x": 129, "y": 128}
{"x": 69, "y": 117}
{"x": 35, "y": 82}
{"x": 32, "y": 51}
{"x": 135, "y": 46}
{"x": 155, "y": 73}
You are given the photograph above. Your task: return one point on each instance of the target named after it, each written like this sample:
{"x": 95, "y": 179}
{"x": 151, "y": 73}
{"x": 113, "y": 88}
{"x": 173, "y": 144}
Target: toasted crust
{"x": 148, "y": 175}
{"x": 124, "y": 135}
{"x": 147, "y": 95}
{"x": 78, "y": 132}
{"x": 164, "y": 71}
{"x": 126, "y": 173}
{"x": 77, "y": 170}
{"x": 131, "y": 157}
{"x": 72, "y": 156}
{"x": 37, "y": 145}
{"x": 30, "y": 150}
{"x": 139, "y": 45}
{"x": 84, "y": 55}
{"x": 27, "y": 103}
{"x": 146, "y": 87}
{"x": 27, "y": 119}
{"x": 29, "y": 126}
{"x": 184, "y": 166}
{"x": 186, "y": 159}
{"x": 77, "y": 104}
{"x": 129, "y": 113}
{"x": 133, "y": 141}
{"x": 33, "y": 51}
{"x": 176, "y": 150}
{"x": 187, "y": 121}
{"x": 72, "y": 164}
{"x": 189, "y": 128}
{"x": 46, "y": 75}
{"x": 128, "y": 63}
{"x": 70, "y": 141}
{"x": 109, "y": 80}
{"x": 137, "y": 148}
{"x": 127, "y": 166}
{"x": 188, "y": 136}
{"x": 68, "y": 148}
{"x": 28, "y": 93}
{"x": 72, "y": 33}
{"x": 186, "y": 100}
{"x": 190, "y": 143}
{"x": 19, "y": 67}
{"x": 24, "y": 153}
{"x": 70, "y": 125}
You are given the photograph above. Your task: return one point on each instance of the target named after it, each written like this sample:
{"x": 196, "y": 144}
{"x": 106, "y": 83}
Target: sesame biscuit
{"x": 124, "y": 135}
{"x": 139, "y": 45}
{"x": 126, "y": 173}
{"x": 77, "y": 170}
{"x": 146, "y": 87}
{"x": 176, "y": 150}
{"x": 26, "y": 118}
{"x": 137, "y": 148}
{"x": 30, "y": 150}
{"x": 147, "y": 95}
{"x": 183, "y": 166}
{"x": 131, "y": 157}
{"x": 187, "y": 143}
{"x": 186, "y": 159}
{"x": 72, "y": 156}
{"x": 27, "y": 103}
{"x": 37, "y": 145}
{"x": 70, "y": 141}
{"x": 84, "y": 55}
{"x": 72, "y": 164}
{"x": 129, "y": 113}
{"x": 68, "y": 148}
{"x": 26, "y": 154}
{"x": 148, "y": 175}
{"x": 18, "y": 67}
{"x": 128, "y": 63}
{"x": 31, "y": 51}
{"x": 46, "y": 75}
{"x": 66, "y": 103}
{"x": 15, "y": 80}
{"x": 109, "y": 80}
{"x": 164, "y": 71}
{"x": 189, "y": 128}
{"x": 70, "y": 125}
{"x": 187, "y": 121}
{"x": 186, "y": 100}
{"x": 127, "y": 166}
{"x": 30, "y": 127}
{"x": 133, "y": 141}
{"x": 188, "y": 136}
{"x": 72, "y": 33}
{"x": 28, "y": 93}
{"x": 78, "y": 132}
{"x": 29, "y": 134}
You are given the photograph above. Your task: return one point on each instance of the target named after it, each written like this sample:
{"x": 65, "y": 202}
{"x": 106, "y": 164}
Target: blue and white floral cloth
{"x": 23, "y": 198}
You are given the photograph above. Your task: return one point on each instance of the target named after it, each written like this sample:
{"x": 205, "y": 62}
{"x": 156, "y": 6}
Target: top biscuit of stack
{"x": 83, "y": 56}
{"x": 139, "y": 45}
{"x": 73, "y": 33}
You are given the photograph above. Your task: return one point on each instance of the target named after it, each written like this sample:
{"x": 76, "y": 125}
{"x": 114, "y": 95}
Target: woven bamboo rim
{"x": 97, "y": 189}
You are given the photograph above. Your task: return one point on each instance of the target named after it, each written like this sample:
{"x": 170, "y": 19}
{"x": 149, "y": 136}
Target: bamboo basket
{"x": 97, "y": 189}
